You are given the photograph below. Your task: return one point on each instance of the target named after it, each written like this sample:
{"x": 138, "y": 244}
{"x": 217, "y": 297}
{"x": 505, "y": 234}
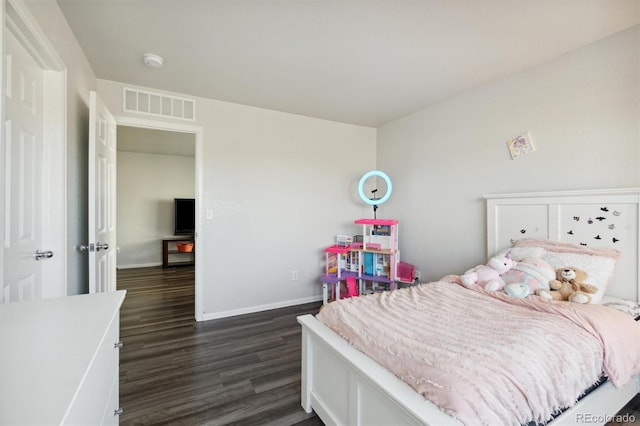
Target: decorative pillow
{"x": 533, "y": 271}
{"x": 598, "y": 263}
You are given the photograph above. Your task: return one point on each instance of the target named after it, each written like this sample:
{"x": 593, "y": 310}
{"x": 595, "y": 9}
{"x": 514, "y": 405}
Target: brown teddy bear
{"x": 569, "y": 285}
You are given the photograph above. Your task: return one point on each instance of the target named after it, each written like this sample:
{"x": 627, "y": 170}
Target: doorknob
{"x": 100, "y": 246}
{"x": 43, "y": 255}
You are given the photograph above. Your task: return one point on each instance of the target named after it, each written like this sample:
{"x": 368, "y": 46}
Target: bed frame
{"x": 345, "y": 387}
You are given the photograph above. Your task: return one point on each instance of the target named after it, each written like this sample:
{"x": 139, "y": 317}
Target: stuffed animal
{"x": 527, "y": 276}
{"x": 518, "y": 290}
{"x": 488, "y": 276}
{"x": 569, "y": 285}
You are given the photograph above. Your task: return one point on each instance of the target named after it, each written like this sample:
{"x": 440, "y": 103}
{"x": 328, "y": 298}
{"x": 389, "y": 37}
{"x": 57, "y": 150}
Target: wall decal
{"x": 587, "y": 225}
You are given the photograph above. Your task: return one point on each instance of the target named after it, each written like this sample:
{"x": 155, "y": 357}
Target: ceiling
{"x": 363, "y": 62}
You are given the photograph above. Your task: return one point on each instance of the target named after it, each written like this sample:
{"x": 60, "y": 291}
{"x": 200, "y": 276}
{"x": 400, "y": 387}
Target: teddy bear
{"x": 569, "y": 285}
{"x": 488, "y": 276}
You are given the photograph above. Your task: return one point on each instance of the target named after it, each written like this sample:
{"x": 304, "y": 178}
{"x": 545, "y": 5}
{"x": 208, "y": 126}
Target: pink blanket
{"x": 486, "y": 358}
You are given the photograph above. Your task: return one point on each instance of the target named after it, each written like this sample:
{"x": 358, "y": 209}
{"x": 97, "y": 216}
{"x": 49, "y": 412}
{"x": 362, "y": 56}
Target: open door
{"x": 102, "y": 197}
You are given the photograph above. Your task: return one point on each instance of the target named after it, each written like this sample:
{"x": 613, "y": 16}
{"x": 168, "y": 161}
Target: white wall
{"x": 583, "y": 112}
{"x": 147, "y": 185}
{"x": 280, "y": 187}
{"x": 80, "y": 80}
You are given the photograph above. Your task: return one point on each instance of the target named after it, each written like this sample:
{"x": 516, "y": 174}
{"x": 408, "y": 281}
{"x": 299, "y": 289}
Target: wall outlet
{"x": 418, "y": 274}
{"x": 294, "y": 275}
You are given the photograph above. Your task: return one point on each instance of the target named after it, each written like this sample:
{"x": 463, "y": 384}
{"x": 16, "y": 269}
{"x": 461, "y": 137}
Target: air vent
{"x": 156, "y": 104}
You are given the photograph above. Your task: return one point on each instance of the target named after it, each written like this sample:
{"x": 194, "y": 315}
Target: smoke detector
{"x": 152, "y": 60}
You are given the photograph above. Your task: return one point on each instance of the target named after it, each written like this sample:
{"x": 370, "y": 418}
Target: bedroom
{"x": 243, "y": 192}
{"x": 580, "y": 106}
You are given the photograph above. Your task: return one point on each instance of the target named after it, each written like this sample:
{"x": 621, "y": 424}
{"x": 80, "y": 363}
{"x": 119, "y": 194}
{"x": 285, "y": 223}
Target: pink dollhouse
{"x": 362, "y": 267}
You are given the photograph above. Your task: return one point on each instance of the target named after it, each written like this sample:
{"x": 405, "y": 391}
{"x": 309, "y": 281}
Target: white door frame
{"x": 198, "y": 133}
{"x": 19, "y": 20}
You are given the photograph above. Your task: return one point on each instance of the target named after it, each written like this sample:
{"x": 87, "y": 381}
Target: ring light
{"x": 377, "y": 201}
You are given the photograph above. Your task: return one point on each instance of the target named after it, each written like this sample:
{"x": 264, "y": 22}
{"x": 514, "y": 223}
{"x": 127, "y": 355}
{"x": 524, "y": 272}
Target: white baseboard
{"x": 260, "y": 308}
{"x": 141, "y": 265}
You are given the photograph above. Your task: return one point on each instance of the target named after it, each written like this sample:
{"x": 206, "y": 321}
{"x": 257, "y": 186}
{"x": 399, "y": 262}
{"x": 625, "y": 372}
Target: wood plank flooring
{"x": 243, "y": 370}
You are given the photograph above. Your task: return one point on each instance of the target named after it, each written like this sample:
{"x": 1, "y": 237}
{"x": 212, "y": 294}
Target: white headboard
{"x": 595, "y": 218}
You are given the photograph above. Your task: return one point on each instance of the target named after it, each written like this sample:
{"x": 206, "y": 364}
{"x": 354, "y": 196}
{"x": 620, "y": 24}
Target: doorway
{"x": 155, "y": 167}
{"x": 165, "y": 141}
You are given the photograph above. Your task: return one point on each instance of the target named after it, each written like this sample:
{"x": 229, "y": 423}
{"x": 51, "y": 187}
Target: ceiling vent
{"x": 159, "y": 105}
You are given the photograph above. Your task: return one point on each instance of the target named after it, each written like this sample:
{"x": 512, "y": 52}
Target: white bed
{"x": 344, "y": 386}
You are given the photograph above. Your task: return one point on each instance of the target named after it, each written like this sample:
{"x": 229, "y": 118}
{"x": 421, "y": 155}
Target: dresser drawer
{"x": 110, "y": 416}
{"x": 95, "y": 392}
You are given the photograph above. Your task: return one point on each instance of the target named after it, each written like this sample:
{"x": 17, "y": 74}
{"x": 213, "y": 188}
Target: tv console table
{"x": 171, "y": 256}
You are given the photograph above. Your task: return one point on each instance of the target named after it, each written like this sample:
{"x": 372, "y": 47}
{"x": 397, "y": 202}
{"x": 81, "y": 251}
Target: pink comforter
{"x": 487, "y": 358}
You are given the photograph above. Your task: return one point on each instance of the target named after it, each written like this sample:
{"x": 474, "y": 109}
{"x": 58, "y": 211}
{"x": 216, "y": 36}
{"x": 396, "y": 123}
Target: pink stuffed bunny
{"x": 488, "y": 276}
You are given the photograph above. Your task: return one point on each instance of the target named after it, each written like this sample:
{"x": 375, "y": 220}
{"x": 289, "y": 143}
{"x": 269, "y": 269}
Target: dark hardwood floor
{"x": 243, "y": 370}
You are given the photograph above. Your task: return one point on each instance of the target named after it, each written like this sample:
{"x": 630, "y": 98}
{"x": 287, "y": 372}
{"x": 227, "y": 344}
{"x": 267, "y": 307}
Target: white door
{"x": 23, "y": 177}
{"x": 102, "y": 197}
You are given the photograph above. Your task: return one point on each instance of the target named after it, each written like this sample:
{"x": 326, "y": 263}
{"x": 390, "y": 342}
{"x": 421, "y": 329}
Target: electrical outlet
{"x": 418, "y": 274}
{"x": 294, "y": 275}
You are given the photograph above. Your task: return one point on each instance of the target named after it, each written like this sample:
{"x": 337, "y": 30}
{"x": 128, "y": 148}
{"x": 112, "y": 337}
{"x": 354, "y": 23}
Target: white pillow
{"x": 519, "y": 253}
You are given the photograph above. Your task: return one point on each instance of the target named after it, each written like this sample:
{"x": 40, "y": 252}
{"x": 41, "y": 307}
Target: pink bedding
{"x": 486, "y": 358}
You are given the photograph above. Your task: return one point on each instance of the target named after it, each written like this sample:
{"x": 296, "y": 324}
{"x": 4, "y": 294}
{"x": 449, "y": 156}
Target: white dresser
{"x": 59, "y": 360}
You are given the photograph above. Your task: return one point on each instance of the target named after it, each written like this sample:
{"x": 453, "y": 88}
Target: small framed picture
{"x": 521, "y": 146}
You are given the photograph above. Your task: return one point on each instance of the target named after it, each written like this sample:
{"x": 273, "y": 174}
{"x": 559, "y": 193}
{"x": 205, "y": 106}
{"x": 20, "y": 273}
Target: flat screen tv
{"x": 184, "y": 216}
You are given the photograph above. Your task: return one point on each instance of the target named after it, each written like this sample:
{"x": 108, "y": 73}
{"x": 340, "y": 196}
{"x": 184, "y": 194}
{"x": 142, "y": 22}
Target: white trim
{"x": 29, "y": 32}
{"x": 198, "y": 133}
{"x": 260, "y": 308}
{"x": 572, "y": 193}
{"x": 55, "y": 185}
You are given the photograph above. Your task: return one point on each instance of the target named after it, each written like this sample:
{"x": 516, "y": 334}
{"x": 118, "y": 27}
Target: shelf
{"x": 180, "y": 252}
{"x": 333, "y": 278}
{"x": 171, "y": 256}
{"x": 377, "y": 251}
